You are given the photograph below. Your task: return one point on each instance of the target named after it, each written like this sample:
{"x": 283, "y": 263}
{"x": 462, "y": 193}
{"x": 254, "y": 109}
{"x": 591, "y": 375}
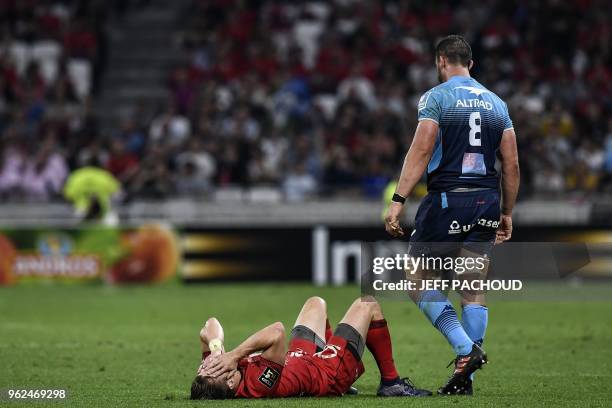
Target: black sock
{"x": 389, "y": 382}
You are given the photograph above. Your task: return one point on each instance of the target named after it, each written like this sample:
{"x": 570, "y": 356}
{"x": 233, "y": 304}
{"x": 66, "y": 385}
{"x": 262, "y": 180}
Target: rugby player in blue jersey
{"x": 463, "y": 128}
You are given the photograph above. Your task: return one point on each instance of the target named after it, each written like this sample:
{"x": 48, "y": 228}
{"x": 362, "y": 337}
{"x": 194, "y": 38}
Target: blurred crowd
{"x": 52, "y": 56}
{"x": 307, "y": 98}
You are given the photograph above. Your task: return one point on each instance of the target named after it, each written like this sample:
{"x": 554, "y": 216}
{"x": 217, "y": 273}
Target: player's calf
{"x": 365, "y": 314}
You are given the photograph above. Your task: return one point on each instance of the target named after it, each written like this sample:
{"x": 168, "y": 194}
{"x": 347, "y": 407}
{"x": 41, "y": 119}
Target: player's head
{"x": 452, "y": 52}
{"x": 221, "y": 387}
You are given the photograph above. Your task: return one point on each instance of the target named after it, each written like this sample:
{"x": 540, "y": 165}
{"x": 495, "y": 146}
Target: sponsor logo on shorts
{"x": 330, "y": 351}
{"x": 296, "y": 353}
{"x": 269, "y": 377}
{"x": 454, "y": 227}
{"x": 488, "y": 223}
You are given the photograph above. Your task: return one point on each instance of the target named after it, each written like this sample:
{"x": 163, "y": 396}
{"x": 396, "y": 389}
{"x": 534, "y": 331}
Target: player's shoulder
{"x": 438, "y": 94}
{"x": 260, "y": 376}
{"x": 436, "y": 91}
{"x": 431, "y": 95}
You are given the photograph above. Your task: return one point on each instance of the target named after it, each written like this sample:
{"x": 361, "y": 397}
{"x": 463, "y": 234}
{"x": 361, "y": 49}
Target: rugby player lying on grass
{"x": 311, "y": 366}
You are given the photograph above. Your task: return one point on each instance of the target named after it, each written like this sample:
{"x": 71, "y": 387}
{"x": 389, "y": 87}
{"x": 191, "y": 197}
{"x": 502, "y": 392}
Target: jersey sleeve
{"x": 261, "y": 378}
{"x": 507, "y": 121}
{"x": 429, "y": 107}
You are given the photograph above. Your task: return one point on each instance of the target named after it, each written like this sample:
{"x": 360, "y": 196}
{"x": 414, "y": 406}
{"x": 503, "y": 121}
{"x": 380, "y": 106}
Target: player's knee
{"x": 373, "y": 303}
{"x": 366, "y": 304}
{"x": 368, "y": 299}
{"x": 316, "y": 302}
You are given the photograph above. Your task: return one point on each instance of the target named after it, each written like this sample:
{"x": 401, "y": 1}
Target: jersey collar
{"x": 458, "y": 77}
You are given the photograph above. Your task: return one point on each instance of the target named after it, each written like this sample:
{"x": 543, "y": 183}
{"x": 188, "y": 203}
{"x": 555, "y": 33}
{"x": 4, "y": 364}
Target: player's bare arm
{"x": 510, "y": 179}
{"x": 211, "y": 341}
{"x": 212, "y": 337}
{"x": 270, "y": 341}
{"x": 414, "y": 166}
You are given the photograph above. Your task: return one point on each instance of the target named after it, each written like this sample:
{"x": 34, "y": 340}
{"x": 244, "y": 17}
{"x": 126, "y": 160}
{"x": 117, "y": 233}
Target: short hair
{"x": 205, "y": 387}
{"x": 456, "y": 49}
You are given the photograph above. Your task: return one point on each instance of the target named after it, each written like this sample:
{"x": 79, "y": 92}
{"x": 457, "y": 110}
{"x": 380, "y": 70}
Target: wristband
{"x": 398, "y": 199}
{"x": 215, "y": 345}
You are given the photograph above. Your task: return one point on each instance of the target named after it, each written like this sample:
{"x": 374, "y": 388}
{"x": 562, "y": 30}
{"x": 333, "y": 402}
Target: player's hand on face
{"x": 205, "y": 364}
{"x": 392, "y": 224}
{"x": 220, "y": 364}
{"x": 504, "y": 232}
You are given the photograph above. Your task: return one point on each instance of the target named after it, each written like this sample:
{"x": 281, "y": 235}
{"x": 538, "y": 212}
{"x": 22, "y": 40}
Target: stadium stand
{"x": 289, "y": 100}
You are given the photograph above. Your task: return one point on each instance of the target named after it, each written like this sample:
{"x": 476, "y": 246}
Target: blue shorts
{"x": 464, "y": 219}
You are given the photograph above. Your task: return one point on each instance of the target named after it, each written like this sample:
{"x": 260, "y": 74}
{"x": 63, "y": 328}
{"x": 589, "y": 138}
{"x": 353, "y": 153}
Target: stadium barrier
{"x": 331, "y": 255}
{"x": 321, "y": 254}
{"x": 235, "y": 241}
{"x": 245, "y": 213}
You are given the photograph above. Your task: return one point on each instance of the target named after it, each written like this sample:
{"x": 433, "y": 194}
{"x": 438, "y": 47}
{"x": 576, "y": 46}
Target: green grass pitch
{"x": 138, "y": 346}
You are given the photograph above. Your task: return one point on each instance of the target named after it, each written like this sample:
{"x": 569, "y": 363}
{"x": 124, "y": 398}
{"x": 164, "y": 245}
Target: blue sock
{"x": 475, "y": 318}
{"x": 443, "y": 316}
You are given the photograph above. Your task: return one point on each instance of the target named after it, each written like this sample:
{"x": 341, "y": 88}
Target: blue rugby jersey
{"x": 471, "y": 121}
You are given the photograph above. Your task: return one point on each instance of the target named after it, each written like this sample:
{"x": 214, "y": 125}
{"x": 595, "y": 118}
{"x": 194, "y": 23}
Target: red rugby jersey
{"x": 260, "y": 377}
